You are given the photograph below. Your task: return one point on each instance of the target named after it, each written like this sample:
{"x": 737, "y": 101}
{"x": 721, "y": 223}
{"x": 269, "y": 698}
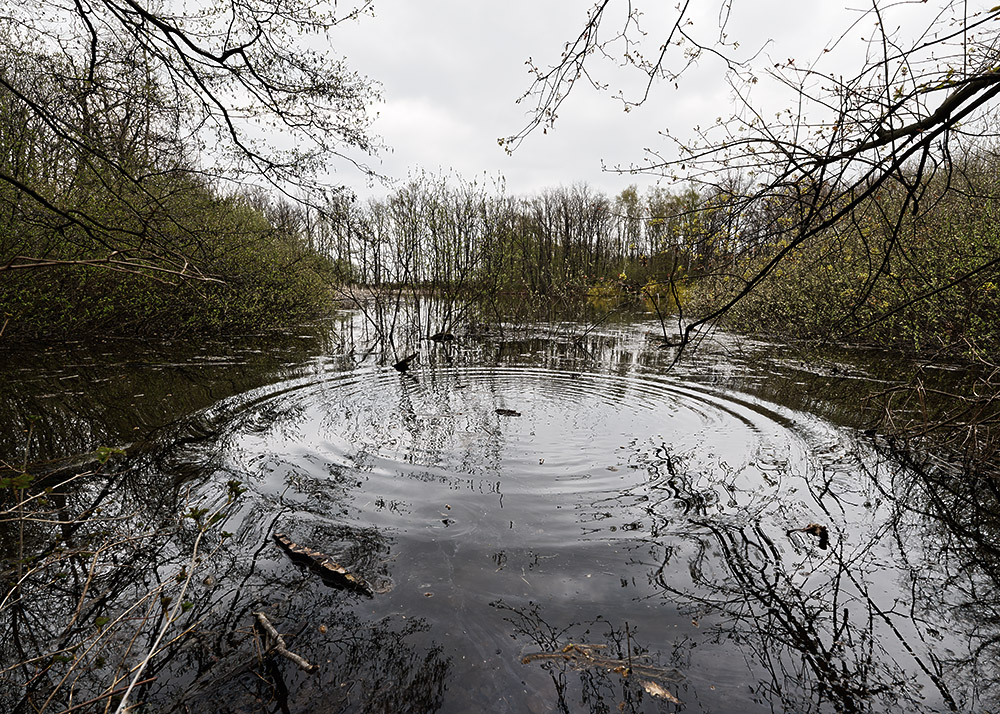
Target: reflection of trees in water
{"x": 811, "y": 650}
{"x": 846, "y": 628}
{"x": 84, "y": 396}
{"x": 380, "y": 665}
{"x": 904, "y": 598}
{"x": 370, "y": 666}
{"x": 947, "y": 520}
{"x": 91, "y": 569}
{"x": 900, "y": 612}
{"x": 106, "y": 562}
{"x": 605, "y": 687}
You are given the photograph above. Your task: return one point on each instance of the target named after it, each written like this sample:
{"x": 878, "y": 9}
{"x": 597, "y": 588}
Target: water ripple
{"x": 525, "y": 456}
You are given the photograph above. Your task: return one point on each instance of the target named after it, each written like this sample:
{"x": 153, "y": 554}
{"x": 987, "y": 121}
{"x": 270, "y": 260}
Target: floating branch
{"x": 582, "y": 656}
{"x": 817, "y": 530}
{"x": 278, "y": 645}
{"x": 328, "y": 569}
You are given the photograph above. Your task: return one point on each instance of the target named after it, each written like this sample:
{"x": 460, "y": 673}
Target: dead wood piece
{"x": 656, "y": 690}
{"x": 583, "y": 656}
{"x": 819, "y": 531}
{"x": 328, "y": 569}
{"x": 404, "y": 364}
{"x": 278, "y": 645}
{"x": 508, "y": 412}
{"x": 442, "y": 337}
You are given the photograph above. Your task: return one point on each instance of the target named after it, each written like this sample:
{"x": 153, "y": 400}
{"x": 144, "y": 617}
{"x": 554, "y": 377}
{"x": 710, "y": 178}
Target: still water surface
{"x": 552, "y": 521}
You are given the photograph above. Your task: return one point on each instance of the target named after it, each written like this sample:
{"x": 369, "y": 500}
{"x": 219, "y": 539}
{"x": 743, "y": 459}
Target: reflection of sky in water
{"x": 610, "y": 499}
{"x": 576, "y": 440}
{"x": 508, "y": 498}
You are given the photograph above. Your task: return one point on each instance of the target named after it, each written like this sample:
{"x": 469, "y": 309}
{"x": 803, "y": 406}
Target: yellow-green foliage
{"x": 660, "y": 297}
{"x": 116, "y": 183}
{"x": 919, "y": 287}
{"x": 265, "y": 277}
{"x": 605, "y": 295}
{"x": 654, "y": 296}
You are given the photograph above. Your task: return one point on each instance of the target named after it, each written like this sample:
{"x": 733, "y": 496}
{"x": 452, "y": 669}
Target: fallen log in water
{"x": 324, "y": 565}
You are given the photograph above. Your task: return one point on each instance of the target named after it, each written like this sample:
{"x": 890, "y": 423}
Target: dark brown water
{"x": 548, "y": 521}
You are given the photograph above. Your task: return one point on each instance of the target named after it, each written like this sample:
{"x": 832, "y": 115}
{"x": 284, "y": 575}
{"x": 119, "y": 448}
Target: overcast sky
{"x": 452, "y": 70}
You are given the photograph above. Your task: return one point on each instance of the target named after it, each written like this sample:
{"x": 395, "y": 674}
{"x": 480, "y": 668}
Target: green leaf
{"x": 196, "y": 513}
{"x": 104, "y": 453}
{"x": 17, "y": 482}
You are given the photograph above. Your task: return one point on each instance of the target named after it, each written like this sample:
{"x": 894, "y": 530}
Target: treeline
{"x": 474, "y": 238}
{"x": 108, "y": 224}
{"x": 916, "y": 265}
{"x": 924, "y": 277}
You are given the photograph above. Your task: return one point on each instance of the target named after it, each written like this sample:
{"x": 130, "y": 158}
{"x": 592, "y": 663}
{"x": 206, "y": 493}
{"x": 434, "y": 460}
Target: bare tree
{"x": 891, "y": 126}
{"x": 129, "y": 94}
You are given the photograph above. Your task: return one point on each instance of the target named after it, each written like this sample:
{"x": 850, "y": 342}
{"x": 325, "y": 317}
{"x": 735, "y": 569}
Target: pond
{"x": 547, "y": 518}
